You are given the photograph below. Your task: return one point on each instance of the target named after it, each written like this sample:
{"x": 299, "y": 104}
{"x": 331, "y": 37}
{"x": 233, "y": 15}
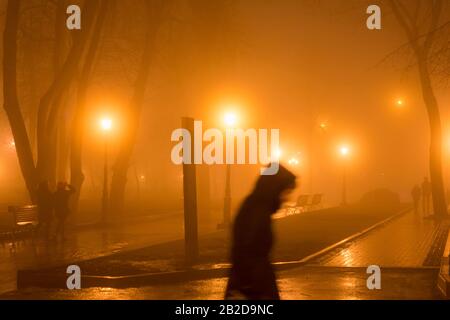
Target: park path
{"x": 408, "y": 241}
{"x": 401, "y": 247}
{"x": 88, "y": 243}
{"x": 304, "y": 283}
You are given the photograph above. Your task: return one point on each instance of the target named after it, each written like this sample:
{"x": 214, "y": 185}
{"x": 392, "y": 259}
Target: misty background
{"x": 291, "y": 65}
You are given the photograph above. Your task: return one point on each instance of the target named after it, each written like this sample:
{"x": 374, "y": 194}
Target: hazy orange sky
{"x": 299, "y": 63}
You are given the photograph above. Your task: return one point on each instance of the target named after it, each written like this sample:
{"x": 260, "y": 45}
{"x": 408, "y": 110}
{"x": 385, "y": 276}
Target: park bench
{"x": 304, "y": 204}
{"x": 299, "y": 206}
{"x": 25, "y": 219}
{"x": 316, "y": 202}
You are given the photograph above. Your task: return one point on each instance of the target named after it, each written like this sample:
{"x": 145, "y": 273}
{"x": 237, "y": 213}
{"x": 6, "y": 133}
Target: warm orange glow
{"x": 230, "y": 119}
{"x": 294, "y": 162}
{"x": 400, "y": 102}
{"x": 106, "y": 124}
{"x": 12, "y": 144}
{"x": 278, "y": 154}
{"x": 345, "y": 151}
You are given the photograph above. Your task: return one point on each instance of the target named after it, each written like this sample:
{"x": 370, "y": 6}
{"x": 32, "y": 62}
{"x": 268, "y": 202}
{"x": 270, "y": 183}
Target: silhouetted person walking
{"x": 426, "y": 196}
{"x": 62, "y": 210}
{"x": 45, "y": 209}
{"x": 416, "y": 193}
{"x": 252, "y": 276}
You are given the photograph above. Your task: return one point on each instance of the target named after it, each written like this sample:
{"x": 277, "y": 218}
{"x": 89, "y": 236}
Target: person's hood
{"x": 268, "y": 188}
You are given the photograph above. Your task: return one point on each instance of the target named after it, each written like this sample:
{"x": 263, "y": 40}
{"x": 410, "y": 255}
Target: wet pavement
{"x": 87, "y": 244}
{"x": 304, "y": 283}
{"x": 404, "y": 242}
{"x": 399, "y": 247}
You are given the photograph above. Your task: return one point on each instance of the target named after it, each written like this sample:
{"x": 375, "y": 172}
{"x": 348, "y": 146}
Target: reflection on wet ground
{"x": 86, "y": 244}
{"x": 305, "y": 283}
{"x": 404, "y": 242}
{"x": 399, "y": 247}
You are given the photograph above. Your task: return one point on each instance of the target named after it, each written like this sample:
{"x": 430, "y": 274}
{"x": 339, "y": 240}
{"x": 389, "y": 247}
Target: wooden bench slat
{"x": 24, "y": 215}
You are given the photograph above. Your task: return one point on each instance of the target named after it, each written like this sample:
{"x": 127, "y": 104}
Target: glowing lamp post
{"x": 294, "y": 162}
{"x": 106, "y": 125}
{"x": 344, "y": 152}
{"x": 230, "y": 121}
{"x": 277, "y": 155}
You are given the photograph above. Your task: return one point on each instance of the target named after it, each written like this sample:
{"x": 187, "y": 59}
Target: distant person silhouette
{"x": 426, "y": 196}
{"x": 62, "y": 210}
{"x": 45, "y": 209}
{"x": 252, "y": 276}
{"x": 416, "y": 193}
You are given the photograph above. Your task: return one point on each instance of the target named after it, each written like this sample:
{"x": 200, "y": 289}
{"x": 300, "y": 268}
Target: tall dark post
{"x": 203, "y": 193}
{"x": 227, "y": 199}
{"x": 105, "y": 184}
{"x": 190, "y": 200}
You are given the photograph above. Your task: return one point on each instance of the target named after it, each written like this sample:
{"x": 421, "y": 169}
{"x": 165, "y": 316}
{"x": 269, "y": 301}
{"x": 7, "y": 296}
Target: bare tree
{"x": 11, "y": 102}
{"x": 156, "y": 14}
{"x": 50, "y": 104}
{"x": 421, "y": 22}
{"x": 77, "y": 130}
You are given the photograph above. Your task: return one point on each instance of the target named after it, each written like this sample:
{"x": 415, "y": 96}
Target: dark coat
{"x": 252, "y": 274}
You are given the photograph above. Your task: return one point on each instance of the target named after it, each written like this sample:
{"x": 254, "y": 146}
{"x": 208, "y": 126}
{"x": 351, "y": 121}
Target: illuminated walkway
{"x": 401, "y": 247}
{"x": 404, "y": 242}
{"x": 87, "y": 244}
{"x": 304, "y": 283}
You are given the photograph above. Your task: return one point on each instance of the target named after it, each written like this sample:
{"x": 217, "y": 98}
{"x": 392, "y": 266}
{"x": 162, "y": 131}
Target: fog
{"x": 288, "y": 65}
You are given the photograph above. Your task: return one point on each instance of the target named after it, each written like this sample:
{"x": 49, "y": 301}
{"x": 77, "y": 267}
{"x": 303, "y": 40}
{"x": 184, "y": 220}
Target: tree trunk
{"x": 52, "y": 147}
{"x": 120, "y": 169}
{"x": 31, "y": 46}
{"x": 11, "y": 103}
{"x": 119, "y": 179}
{"x": 422, "y": 51}
{"x": 62, "y": 160}
{"x": 59, "y": 158}
{"x": 437, "y": 182}
{"x": 76, "y": 165}
{"x": 49, "y": 104}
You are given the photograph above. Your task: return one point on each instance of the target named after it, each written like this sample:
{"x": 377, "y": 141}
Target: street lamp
{"x": 345, "y": 152}
{"x": 106, "y": 125}
{"x": 294, "y": 161}
{"x": 278, "y": 154}
{"x": 315, "y": 141}
{"x": 230, "y": 120}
